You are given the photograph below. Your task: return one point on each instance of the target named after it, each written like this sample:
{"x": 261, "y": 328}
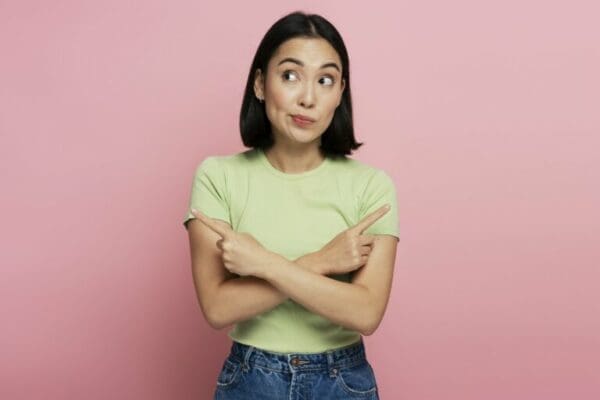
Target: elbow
{"x": 215, "y": 318}
{"x": 218, "y": 326}
{"x": 368, "y": 330}
{"x": 371, "y": 314}
{"x": 214, "y": 314}
{"x": 369, "y": 324}
{"x": 215, "y": 321}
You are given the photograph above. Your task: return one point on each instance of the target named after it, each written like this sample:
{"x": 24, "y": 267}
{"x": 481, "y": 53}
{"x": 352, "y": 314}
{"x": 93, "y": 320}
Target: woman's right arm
{"x": 224, "y": 298}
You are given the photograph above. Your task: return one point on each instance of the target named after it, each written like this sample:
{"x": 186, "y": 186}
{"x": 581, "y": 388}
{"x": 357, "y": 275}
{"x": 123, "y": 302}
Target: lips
{"x": 303, "y": 118}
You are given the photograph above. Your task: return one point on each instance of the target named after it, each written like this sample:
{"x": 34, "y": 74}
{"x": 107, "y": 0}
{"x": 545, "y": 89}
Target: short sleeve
{"x": 208, "y": 192}
{"x": 380, "y": 190}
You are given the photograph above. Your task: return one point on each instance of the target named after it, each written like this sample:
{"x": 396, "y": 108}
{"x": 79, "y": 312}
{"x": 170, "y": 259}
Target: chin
{"x": 305, "y": 139}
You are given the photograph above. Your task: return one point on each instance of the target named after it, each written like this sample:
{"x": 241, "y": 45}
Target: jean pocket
{"x": 357, "y": 380}
{"x": 230, "y": 372}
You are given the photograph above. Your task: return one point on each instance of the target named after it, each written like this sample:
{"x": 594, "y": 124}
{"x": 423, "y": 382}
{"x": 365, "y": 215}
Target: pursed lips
{"x": 303, "y": 118}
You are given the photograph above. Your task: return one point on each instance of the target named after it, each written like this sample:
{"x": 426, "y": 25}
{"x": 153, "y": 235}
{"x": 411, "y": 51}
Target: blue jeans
{"x": 249, "y": 373}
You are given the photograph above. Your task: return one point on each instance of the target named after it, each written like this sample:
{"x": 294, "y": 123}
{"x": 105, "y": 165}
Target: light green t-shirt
{"x": 292, "y": 214}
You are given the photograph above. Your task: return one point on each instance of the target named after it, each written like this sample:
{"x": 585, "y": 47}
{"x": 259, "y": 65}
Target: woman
{"x": 292, "y": 241}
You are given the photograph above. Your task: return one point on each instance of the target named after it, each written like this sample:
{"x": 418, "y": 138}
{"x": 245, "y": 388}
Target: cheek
{"x": 280, "y": 98}
{"x": 279, "y": 107}
{"x": 331, "y": 105}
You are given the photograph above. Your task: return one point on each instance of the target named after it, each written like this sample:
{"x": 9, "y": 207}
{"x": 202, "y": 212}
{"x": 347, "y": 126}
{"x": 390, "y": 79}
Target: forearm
{"x": 244, "y": 297}
{"x": 344, "y": 303}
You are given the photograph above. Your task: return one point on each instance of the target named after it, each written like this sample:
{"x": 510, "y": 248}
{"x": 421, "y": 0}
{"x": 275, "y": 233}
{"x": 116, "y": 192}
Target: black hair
{"x": 338, "y": 139}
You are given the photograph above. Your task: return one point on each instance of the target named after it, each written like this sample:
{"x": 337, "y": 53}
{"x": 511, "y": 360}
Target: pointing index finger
{"x": 219, "y": 229}
{"x": 371, "y": 218}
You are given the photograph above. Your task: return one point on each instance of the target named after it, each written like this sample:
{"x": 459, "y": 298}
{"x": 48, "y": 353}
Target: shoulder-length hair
{"x": 338, "y": 139}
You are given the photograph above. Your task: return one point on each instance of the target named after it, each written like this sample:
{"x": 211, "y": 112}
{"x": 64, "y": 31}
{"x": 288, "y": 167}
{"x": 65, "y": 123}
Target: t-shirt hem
{"x": 303, "y": 350}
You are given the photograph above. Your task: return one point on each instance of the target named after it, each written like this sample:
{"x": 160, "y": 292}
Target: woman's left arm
{"x": 358, "y": 305}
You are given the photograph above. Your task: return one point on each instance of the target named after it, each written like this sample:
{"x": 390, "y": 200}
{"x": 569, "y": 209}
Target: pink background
{"x": 485, "y": 115}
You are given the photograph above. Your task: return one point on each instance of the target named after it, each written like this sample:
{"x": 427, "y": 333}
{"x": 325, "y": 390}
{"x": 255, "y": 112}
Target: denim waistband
{"x": 331, "y": 360}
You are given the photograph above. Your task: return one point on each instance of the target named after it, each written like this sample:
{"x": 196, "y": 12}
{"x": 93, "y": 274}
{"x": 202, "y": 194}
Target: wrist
{"x": 271, "y": 264}
{"x": 312, "y": 262}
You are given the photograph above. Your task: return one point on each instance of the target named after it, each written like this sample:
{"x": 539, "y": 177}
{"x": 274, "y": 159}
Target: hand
{"x": 241, "y": 253}
{"x": 350, "y": 249}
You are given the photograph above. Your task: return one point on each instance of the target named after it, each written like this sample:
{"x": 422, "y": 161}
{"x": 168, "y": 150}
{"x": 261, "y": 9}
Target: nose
{"x": 307, "y": 97}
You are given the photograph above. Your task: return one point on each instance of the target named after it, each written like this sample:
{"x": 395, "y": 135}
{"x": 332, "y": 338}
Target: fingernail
{"x": 194, "y": 211}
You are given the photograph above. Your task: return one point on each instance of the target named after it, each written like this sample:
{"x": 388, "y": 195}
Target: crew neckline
{"x": 291, "y": 176}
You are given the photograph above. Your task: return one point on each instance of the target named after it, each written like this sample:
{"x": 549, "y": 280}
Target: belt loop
{"x": 330, "y": 364}
{"x": 245, "y": 363}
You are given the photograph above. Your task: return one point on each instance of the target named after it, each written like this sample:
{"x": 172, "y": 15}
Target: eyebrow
{"x": 300, "y": 63}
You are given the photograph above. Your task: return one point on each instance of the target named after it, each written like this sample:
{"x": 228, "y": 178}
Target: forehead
{"x": 313, "y": 52}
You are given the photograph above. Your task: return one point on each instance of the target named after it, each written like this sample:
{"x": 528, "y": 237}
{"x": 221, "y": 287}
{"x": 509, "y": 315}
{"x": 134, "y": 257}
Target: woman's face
{"x": 303, "y": 77}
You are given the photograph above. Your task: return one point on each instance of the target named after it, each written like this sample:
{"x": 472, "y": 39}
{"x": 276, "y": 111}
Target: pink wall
{"x": 486, "y": 116}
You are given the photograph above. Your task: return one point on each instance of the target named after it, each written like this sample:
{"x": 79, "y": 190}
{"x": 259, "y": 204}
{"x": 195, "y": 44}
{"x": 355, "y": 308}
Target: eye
{"x": 288, "y": 72}
{"x": 331, "y": 79}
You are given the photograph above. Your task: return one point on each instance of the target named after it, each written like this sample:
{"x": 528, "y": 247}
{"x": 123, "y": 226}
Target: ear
{"x": 343, "y": 86}
{"x": 259, "y": 84}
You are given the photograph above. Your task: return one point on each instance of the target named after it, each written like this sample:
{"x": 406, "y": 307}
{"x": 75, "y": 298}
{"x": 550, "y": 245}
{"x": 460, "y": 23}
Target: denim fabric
{"x": 249, "y": 373}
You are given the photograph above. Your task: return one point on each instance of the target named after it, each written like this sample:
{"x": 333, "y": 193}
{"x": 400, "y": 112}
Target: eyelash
{"x": 290, "y": 71}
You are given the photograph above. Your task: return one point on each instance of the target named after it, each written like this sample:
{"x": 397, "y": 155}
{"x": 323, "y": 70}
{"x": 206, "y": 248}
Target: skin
{"x": 236, "y": 277}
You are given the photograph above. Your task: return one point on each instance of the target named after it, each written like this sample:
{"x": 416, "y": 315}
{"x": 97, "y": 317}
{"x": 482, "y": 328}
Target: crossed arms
{"x": 226, "y": 298}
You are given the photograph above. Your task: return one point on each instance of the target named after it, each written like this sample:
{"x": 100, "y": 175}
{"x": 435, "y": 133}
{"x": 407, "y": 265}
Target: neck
{"x": 294, "y": 160}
